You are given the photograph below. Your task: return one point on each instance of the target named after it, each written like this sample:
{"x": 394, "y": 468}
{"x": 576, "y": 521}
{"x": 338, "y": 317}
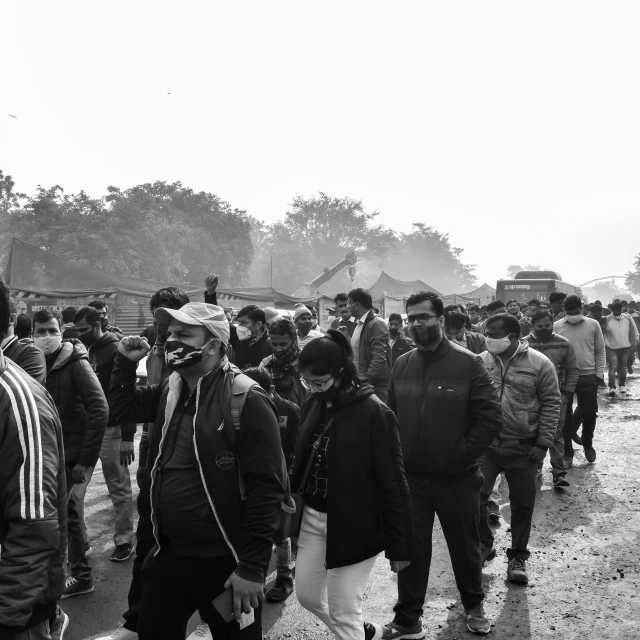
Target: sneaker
{"x": 58, "y": 625}
{"x": 590, "y": 454}
{"x": 121, "y": 634}
{"x": 612, "y": 393}
{"x": 280, "y": 591}
{"x": 493, "y": 512}
{"x": 487, "y": 554}
{"x": 201, "y": 633}
{"x": 75, "y": 587}
{"x": 372, "y": 631}
{"x": 568, "y": 462}
{"x": 577, "y": 439}
{"x": 517, "y": 571}
{"x": 477, "y": 620}
{"x": 122, "y": 552}
{"x": 560, "y": 482}
{"x": 393, "y": 631}
{"x": 623, "y": 390}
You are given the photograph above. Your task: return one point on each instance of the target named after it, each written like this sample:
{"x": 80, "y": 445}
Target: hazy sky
{"x": 514, "y": 127}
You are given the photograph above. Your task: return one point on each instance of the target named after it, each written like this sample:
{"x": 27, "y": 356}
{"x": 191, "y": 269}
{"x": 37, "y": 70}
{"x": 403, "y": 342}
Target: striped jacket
{"x": 33, "y": 502}
{"x": 561, "y": 352}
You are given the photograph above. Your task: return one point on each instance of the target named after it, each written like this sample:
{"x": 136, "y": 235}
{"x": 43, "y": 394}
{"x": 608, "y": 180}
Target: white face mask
{"x": 574, "y": 319}
{"x": 243, "y": 333}
{"x": 498, "y": 345}
{"x": 48, "y": 344}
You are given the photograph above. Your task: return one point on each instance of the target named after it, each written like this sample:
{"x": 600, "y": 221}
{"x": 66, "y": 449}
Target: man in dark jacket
{"x": 101, "y": 307}
{"x": 370, "y": 343}
{"x": 25, "y": 355}
{"x": 455, "y": 329}
{"x": 33, "y": 503}
{"x": 397, "y": 341}
{"x": 208, "y": 538}
{"x": 83, "y": 412}
{"x": 117, "y": 451}
{"x": 253, "y": 338}
{"x": 449, "y": 413}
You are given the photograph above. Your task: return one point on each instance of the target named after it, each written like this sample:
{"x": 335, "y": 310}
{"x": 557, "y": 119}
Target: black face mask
{"x": 543, "y": 334}
{"x": 331, "y": 395}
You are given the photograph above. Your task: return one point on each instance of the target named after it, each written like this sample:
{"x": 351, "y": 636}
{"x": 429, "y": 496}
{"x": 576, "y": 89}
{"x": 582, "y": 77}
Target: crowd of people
{"x": 263, "y": 434}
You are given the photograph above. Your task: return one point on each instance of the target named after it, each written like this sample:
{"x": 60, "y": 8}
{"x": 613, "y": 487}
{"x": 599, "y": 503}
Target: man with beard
{"x": 563, "y": 356}
{"x": 344, "y": 322}
{"x": 398, "y": 343}
{"x": 303, "y": 320}
{"x": 448, "y": 413}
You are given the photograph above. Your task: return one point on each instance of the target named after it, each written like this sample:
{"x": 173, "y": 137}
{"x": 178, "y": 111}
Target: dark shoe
{"x": 74, "y": 587}
{"x": 568, "y": 462}
{"x": 560, "y": 482}
{"x": 612, "y": 393}
{"x": 280, "y": 591}
{"x": 58, "y": 625}
{"x": 493, "y": 512}
{"x": 487, "y": 554}
{"x": 517, "y": 571}
{"x": 122, "y": 552}
{"x": 393, "y": 631}
{"x": 477, "y": 620}
{"x": 590, "y": 454}
{"x": 577, "y": 439}
{"x": 630, "y": 370}
{"x": 372, "y": 631}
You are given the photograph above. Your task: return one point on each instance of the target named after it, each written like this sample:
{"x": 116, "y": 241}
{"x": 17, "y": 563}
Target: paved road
{"x": 584, "y": 568}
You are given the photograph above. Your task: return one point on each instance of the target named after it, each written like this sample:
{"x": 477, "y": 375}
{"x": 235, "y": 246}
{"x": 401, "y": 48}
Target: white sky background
{"x": 514, "y": 127}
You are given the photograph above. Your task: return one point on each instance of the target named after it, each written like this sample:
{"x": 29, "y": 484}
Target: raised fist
{"x": 134, "y": 347}
{"x": 211, "y": 282}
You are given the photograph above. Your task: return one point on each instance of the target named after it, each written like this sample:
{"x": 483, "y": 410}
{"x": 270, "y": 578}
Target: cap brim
{"x": 165, "y": 316}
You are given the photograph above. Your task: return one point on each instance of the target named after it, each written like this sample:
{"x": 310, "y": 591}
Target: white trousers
{"x": 334, "y": 595}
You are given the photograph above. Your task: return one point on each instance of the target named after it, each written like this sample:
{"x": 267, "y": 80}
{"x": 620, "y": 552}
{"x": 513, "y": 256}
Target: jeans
{"x": 39, "y": 631}
{"x": 520, "y": 472}
{"x": 76, "y": 542}
{"x": 617, "y": 363}
{"x": 145, "y": 541}
{"x": 457, "y": 507}
{"x": 587, "y": 396}
{"x": 495, "y": 492}
{"x": 631, "y": 358}
{"x": 284, "y": 562}
{"x": 334, "y": 595}
{"x": 174, "y": 587}
{"x": 556, "y": 453}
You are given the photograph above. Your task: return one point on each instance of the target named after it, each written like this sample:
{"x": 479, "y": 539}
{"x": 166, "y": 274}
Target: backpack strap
{"x": 239, "y": 390}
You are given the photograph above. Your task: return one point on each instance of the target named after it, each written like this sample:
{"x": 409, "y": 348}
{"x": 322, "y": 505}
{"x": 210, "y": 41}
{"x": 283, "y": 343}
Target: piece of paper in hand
{"x": 247, "y": 619}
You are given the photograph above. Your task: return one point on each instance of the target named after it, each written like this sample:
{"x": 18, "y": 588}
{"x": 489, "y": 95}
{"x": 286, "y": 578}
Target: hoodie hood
{"x": 107, "y": 338}
{"x": 70, "y": 351}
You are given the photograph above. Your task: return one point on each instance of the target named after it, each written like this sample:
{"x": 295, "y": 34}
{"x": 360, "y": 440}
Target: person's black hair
{"x": 540, "y": 315}
{"x": 452, "y": 307}
{"x": 510, "y": 301}
{"x": 331, "y": 354}
{"x": 455, "y": 320}
{"x": 254, "y": 313}
{"x": 262, "y": 376}
{"x": 5, "y": 312}
{"x": 616, "y": 306}
{"x": 484, "y": 307}
{"x": 598, "y": 302}
{"x": 524, "y": 306}
{"x": 616, "y": 300}
{"x": 341, "y": 297}
{"x": 89, "y": 314}
{"x": 534, "y": 302}
{"x": 23, "y": 326}
{"x": 623, "y": 303}
{"x": 510, "y": 323}
{"x": 571, "y": 303}
{"x": 474, "y": 307}
{"x": 423, "y": 296}
{"x": 68, "y": 314}
{"x": 495, "y": 305}
{"x": 395, "y": 317}
{"x": 596, "y": 307}
{"x": 173, "y": 297}
{"x": 44, "y": 315}
{"x": 376, "y": 310}
{"x": 361, "y": 296}
{"x": 283, "y": 327}
{"x": 98, "y": 304}
{"x": 557, "y": 296}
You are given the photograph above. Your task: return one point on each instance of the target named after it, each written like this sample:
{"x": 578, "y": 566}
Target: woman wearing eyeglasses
{"x": 348, "y": 463}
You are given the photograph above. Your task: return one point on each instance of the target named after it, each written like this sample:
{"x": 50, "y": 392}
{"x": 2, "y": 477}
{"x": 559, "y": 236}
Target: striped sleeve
{"x": 27, "y": 423}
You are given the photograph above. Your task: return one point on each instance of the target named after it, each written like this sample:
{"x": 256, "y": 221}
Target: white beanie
{"x": 300, "y": 311}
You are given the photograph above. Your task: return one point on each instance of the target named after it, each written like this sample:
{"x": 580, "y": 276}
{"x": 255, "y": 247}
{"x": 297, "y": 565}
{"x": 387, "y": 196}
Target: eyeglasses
{"x": 316, "y": 385}
{"x": 422, "y": 318}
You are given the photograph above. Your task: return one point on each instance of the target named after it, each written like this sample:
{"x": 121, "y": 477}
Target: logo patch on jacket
{"x": 225, "y": 460}
{"x": 282, "y": 421}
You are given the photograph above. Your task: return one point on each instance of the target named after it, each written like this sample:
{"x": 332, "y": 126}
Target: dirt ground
{"x": 584, "y": 566}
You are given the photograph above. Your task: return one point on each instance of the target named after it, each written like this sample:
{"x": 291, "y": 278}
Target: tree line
{"x": 168, "y": 232}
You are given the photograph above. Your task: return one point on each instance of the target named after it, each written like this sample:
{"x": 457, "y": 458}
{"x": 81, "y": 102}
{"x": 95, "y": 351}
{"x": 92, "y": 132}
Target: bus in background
{"x": 534, "y": 284}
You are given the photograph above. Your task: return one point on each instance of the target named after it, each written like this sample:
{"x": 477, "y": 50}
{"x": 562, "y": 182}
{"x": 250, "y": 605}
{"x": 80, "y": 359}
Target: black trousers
{"x": 587, "y": 413}
{"x": 457, "y": 507}
{"x": 174, "y": 587}
{"x": 144, "y": 543}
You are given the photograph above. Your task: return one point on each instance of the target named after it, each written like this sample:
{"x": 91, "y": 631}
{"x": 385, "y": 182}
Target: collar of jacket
{"x": 9, "y": 342}
{"x": 3, "y": 363}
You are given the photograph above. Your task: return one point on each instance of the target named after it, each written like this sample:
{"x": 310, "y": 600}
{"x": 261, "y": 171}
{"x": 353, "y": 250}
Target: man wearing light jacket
{"x": 620, "y": 338}
{"x": 527, "y": 384}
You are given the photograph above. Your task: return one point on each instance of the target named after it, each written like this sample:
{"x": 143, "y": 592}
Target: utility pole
{"x": 272, "y": 272}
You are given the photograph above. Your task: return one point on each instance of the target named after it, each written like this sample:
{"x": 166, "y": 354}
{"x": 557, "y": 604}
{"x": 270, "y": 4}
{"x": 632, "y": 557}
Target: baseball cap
{"x": 209, "y": 316}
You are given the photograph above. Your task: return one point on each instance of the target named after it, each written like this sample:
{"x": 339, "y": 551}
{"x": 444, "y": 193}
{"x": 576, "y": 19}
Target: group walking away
{"x": 264, "y": 434}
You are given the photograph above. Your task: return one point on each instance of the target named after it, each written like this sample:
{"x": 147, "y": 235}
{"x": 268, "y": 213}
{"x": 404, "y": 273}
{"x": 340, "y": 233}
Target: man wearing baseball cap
{"x": 216, "y": 486}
